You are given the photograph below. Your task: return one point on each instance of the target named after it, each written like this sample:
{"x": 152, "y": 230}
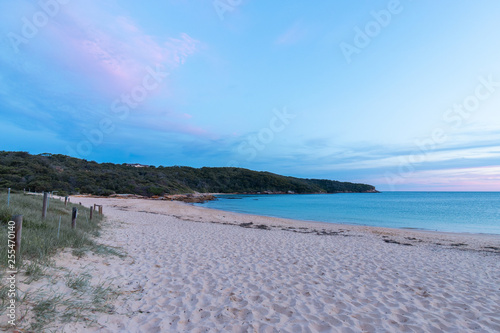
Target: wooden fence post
{"x": 91, "y": 212}
{"x": 18, "y": 228}
{"x": 65, "y": 200}
{"x": 100, "y": 210}
{"x": 59, "y": 227}
{"x": 8, "y": 198}
{"x": 73, "y": 217}
{"x": 44, "y": 209}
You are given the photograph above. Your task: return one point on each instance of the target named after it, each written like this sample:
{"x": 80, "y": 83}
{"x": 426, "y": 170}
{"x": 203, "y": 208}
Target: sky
{"x": 403, "y": 95}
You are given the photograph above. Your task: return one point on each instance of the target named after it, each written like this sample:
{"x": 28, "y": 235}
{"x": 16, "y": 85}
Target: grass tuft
{"x": 78, "y": 283}
{"x": 34, "y": 271}
{"x": 107, "y": 250}
{"x": 45, "y": 310}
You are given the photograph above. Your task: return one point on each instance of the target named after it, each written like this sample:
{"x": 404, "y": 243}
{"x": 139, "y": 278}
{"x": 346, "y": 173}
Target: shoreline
{"x": 205, "y": 197}
{"x": 273, "y": 221}
{"x": 492, "y": 239}
{"x": 339, "y": 224}
{"x": 347, "y": 224}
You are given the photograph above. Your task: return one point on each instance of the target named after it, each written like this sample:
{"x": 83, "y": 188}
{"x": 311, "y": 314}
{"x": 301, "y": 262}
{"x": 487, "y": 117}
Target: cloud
{"x": 112, "y": 51}
{"x": 370, "y": 163}
{"x": 89, "y": 55}
{"x": 485, "y": 178}
{"x": 325, "y": 154}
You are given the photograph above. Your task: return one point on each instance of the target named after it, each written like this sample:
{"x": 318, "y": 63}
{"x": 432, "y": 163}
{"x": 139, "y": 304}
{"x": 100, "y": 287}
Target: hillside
{"x": 68, "y": 175}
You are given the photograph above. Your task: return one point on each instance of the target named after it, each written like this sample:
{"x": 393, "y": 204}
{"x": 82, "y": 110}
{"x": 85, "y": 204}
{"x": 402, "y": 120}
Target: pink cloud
{"x": 457, "y": 179}
{"x": 112, "y": 52}
{"x": 127, "y": 24}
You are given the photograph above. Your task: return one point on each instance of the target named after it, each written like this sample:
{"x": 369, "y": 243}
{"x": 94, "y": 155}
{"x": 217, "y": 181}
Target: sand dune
{"x": 184, "y": 273}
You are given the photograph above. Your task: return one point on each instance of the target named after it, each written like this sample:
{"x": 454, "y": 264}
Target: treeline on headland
{"x": 68, "y": 175}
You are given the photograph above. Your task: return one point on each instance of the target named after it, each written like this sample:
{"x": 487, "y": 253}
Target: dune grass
{"x": 40, "y": 241}
{"x": 81, "y": 303}
{"x": 39, "y": 237}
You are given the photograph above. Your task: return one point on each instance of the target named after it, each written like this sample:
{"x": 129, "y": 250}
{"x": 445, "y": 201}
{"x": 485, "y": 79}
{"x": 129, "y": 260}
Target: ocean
{"x": 463, "y": 212}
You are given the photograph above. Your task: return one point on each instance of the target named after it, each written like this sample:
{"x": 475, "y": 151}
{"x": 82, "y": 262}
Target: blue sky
{"x": 404, "y": 95}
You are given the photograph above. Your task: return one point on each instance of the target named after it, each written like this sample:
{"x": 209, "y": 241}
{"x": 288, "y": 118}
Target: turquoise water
{"x": 469, "y": 212}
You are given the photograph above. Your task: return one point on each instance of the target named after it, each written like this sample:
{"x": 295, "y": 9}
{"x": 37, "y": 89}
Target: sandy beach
{"x": 192, "y": 269}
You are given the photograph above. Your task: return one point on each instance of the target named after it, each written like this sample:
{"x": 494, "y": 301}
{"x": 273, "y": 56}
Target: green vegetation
{"x": 40, "y": 308}
{"x": 49, "y": 306}
{"x": 39, "y": 237}
{"x": 67, "y": 175}
{"x": 79, "y": 283}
